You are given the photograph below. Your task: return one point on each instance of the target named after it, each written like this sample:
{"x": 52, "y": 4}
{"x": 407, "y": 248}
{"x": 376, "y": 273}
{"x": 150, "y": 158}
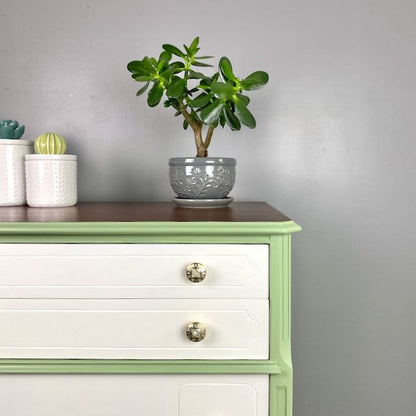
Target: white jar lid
{"x": 51, "y": 157}
{"x": 16, "y": 142}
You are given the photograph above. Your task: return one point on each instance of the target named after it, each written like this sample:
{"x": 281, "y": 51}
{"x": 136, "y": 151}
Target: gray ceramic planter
{"x": 202, "y": 177}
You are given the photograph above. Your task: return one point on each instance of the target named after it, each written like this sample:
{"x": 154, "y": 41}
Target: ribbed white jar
{"x": 51, "y": 180}
{"x": 12, "y": 171}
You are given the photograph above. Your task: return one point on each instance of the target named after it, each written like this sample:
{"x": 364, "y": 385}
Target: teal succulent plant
{"x": 10, "y": 129}
{"x": 203, "y": 100}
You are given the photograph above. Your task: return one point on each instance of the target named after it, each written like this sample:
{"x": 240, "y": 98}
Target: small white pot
{"x": 51, "y": 180}
{"x": 12, "y": 171}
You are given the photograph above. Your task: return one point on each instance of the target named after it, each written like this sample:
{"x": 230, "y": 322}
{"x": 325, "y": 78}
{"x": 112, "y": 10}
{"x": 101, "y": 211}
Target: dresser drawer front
{"x": 132, "y": 270}
{"x": 121, "y": 329}
{"x": 132, "y": 395}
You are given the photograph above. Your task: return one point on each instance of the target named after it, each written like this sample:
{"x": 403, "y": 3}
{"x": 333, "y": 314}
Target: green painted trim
{"x": 115, "y": 239}
{"x": 281, "y": 395}
{"x": 139, "y": 366}
{"x": 281, "y": 385}
{"x": 148, "y": 228}
{"x": 280, "y": 301}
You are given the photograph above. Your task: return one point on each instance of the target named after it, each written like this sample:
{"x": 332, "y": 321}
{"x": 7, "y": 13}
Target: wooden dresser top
{"x": 143, "y": 212}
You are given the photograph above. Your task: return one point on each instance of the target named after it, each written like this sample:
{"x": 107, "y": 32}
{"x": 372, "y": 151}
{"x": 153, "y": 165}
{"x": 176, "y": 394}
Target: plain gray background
{"x": 334, "y": 149}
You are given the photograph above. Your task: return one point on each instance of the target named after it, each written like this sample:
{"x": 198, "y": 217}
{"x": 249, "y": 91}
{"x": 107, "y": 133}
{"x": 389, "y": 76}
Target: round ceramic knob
{"x": 196, "y": 332}
{"x": 196, "y": 272}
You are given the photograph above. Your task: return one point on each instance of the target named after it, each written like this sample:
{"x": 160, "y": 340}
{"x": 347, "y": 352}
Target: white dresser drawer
{"x": 132, "y": 270}
{"x": 130, "y": 328}
{"x": 133, "y": 395}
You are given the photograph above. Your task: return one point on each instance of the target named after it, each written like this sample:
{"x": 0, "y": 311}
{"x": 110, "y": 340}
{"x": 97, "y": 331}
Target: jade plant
{"x": 50, "y": 144}
{"x": 10, "y": 129}
{"x": 203, "y": 100}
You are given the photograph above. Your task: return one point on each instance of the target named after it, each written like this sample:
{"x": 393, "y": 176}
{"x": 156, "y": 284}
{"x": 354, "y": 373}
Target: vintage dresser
{"x": 128, "y": 309}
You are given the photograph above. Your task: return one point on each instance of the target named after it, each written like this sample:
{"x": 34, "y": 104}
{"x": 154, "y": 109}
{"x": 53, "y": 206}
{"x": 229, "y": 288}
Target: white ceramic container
{"x": 51, "y": 180}
{"x": 12, "y": 171}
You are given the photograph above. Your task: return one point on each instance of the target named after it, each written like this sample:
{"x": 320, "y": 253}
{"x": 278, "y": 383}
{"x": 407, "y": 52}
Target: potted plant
{"x": 51, "y": 175}
{"x": 205, "y": 102}
{"x": 12, "y": 159}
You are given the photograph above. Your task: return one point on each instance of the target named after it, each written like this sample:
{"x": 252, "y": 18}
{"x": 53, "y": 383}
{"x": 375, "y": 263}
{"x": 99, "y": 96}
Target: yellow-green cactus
{"x": 50, "y": 144}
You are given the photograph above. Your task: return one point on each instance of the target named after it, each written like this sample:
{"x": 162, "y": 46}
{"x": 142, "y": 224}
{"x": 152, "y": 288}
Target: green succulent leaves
{"x": 155, "y": 94}
{"x": 200, "y": 101}
{"x": 226, "y": 69}
{"x": 173, "y": 49}
{"x": 212, "y": 100}
{"x": 255, "y": 81}
{"x": 143, "y": 89}
{"x": 211, "y": 112}
{"x": 243, "y": 114}
{"x": 10, "y": 129}
{"x": 231, "y": 119}
{"x": 222, "y": 90}
{"x": 176, "y": 88}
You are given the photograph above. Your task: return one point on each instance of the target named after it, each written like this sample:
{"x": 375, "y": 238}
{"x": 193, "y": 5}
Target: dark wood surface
{"x": 143, "y": 211}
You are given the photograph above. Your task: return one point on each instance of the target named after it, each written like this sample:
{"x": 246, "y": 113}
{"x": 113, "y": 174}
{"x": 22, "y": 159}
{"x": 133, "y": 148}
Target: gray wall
{"x": 334, "y": 148}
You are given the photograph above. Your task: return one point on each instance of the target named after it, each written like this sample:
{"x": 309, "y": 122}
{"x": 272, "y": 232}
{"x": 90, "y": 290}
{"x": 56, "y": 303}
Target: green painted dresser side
{"x": 281, "y": 386}
{"x": 275, "y": 233}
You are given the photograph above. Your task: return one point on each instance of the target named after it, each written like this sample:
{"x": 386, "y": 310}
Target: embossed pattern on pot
{"x": 202, "y": 178}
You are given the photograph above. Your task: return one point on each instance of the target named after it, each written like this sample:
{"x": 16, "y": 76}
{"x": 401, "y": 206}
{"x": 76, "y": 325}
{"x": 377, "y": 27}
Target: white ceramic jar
{"x": 12, "y": 171}
{"x": 51, "y": 180}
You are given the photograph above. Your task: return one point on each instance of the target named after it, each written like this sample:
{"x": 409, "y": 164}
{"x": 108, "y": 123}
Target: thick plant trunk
{"x": 200, "y": 148}
{"x": 201, "y": 144}
{"x": 202, "y": 152}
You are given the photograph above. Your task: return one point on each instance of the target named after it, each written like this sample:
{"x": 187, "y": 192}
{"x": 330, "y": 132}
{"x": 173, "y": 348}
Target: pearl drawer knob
{"x": 196, "y": 332}
{"x": 196, "y": 272}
